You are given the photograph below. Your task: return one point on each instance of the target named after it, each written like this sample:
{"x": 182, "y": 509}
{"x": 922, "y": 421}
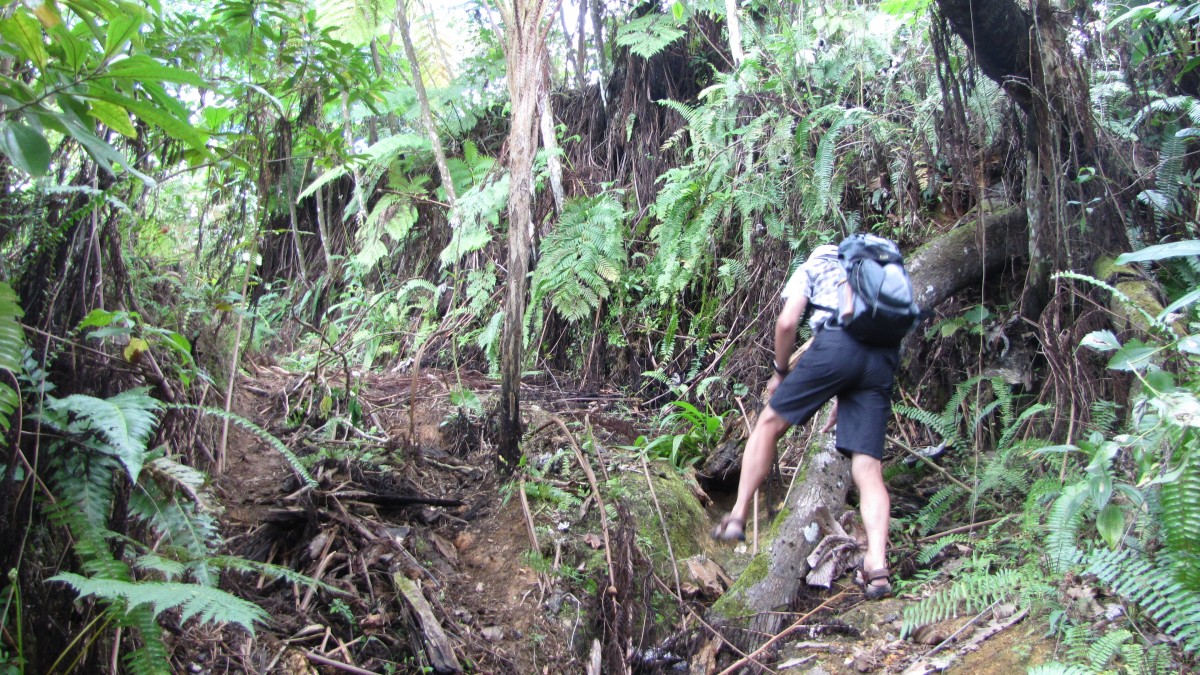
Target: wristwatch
{"x": 782, "y": 372}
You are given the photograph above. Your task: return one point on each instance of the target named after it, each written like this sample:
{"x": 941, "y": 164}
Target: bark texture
{"x": 966, "y": 255}
{"x": 776, "y": 575}
{"x": 526, "y": 25}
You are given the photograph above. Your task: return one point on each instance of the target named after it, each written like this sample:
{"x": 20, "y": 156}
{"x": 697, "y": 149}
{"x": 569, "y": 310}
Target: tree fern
{"x": 1174, "y": 608}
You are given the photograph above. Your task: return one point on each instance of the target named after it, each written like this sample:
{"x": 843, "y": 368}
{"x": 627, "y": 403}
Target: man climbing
{"x": 836, "y": 364}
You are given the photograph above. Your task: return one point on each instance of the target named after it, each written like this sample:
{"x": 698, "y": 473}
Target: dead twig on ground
{"x": 799, "y": 623}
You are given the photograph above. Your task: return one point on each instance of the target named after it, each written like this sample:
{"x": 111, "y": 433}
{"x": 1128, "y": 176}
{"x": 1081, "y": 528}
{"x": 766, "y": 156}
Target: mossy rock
{"x": 686, "y": 521}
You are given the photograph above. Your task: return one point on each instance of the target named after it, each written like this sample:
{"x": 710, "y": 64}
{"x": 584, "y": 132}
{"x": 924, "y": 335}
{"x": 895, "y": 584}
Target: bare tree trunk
{"x": 735, "y": 32}
{"x": 550, "y": 142}
{"x": 426, "y": 114}
{"x": 526, "y": 27}
{"x": 581, "y": 49}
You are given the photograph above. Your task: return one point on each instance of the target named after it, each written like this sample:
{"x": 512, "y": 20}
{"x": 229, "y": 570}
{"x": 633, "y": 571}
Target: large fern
{"x": 581, "y": 258}
{"x": 1173, "y": 607}
{"x": 970, "y": 593}
{"x": 209, "y": 605}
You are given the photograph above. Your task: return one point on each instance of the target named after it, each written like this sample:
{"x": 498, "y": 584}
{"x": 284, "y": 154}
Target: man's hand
{"x": 776, "y": 379}
{"x": 832, "y": 421}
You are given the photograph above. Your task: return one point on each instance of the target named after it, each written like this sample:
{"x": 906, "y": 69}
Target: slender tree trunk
{"x": 550, "y": 142}
{"x": 526, "y": 25}
{"x": 581, "y": 49}
{"x": 735, "y": 31}
{"x": 426, "y": 114}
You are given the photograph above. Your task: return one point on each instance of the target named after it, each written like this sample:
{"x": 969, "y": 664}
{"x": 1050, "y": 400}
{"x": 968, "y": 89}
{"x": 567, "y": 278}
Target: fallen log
{"x": 437, "y": 646}
{"x": 774, "y": 578}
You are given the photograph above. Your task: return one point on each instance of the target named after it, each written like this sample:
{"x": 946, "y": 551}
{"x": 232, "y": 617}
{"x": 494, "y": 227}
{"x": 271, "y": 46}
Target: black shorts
{"x": 861, "y": 378}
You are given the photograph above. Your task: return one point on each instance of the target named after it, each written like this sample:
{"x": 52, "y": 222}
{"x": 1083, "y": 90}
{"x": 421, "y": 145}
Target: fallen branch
{"x": 344, "y": 667}
{"x": 437, "y": 645}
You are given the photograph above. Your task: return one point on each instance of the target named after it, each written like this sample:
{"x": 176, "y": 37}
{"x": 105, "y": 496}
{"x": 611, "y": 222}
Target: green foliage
{"x": 648, "y": 35}
{"x": 581, "y": 258}
{"x": 83, "y": 65}
{"x": 209, "y": 605}
{"x": 700, "y": 433}
{"x": 970, "y": 593}
{"x": 1174, "y": 608}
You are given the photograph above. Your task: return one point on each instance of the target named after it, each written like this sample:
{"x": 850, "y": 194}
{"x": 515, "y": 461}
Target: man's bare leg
{"x": 756, "y": 463}
{"x": 875, "y": 506}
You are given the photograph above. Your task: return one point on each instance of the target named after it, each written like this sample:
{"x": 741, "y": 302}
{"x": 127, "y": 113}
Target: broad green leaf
{"x": 1101, "y": 341}
{"x": 47, "y": 13}
{"x": 136, "y": 347}
{"x": 145, "y": 69}
{"x": 25, "y": 33}
{"x": 1100, "y": 489}
{"x": 149, "y": 112}
{"x": 121, "y": 30}
{"x": 27, "y": 148}
{"x": 1133, "y": 356}
{"x": 977, "y": 314}
{"x": 97, "y": 317}
{"x": 1110, "y": 522}
{"x": 114, "y": 117}
{"x": 1179, "y": 304}
{"x": 71, "y": 51}
{"x": 1161, "y": 251}
{"x": 1189, "y": 344}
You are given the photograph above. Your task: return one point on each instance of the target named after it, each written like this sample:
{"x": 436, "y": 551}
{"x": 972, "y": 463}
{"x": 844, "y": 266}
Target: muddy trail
{"x": 422, "y": 551}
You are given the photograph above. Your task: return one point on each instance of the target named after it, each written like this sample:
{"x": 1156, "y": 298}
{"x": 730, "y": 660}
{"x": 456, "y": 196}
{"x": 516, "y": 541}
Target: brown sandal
{"x": 865, "y": 579}
{"x": 730, "y": 529}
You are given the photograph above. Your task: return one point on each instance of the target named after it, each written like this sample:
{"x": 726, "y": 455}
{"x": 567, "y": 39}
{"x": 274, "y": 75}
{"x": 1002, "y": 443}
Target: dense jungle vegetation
{"x": 572, "y": 215}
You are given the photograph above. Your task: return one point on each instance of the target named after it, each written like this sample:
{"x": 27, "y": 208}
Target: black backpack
{"x": 884, "y": 308}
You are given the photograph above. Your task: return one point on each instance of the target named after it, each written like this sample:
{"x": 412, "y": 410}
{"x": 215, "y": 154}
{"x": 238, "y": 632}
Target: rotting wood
{"x": 796, "y": 625}
{"x": 784, "y": 556}
{"x": 437, "y": 645}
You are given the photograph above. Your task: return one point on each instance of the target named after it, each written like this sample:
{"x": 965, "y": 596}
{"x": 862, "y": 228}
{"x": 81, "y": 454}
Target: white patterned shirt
{"x": 818, "y": 279}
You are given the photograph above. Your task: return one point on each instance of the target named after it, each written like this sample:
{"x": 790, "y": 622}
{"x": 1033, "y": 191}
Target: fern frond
{"x": 209, "y": 605}
{"x": 1180, "y": 517}
{"x": 1175, "y": 609}
{"x": 931, "y": 550}
{"x": 1062, "y": 523}
{"x": 1102, "y": 651}
{"x": 972, "y": 593}
{"x": 274, "y": 443}
{"x": 152, "y": 657}
{"x": 582, "y": 257}
{"x": 124, "y": 423}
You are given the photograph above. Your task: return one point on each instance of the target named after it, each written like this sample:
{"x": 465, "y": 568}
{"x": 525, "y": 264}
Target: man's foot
{"x": 730, "y": 529}
{"x": 876, "y": 584}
